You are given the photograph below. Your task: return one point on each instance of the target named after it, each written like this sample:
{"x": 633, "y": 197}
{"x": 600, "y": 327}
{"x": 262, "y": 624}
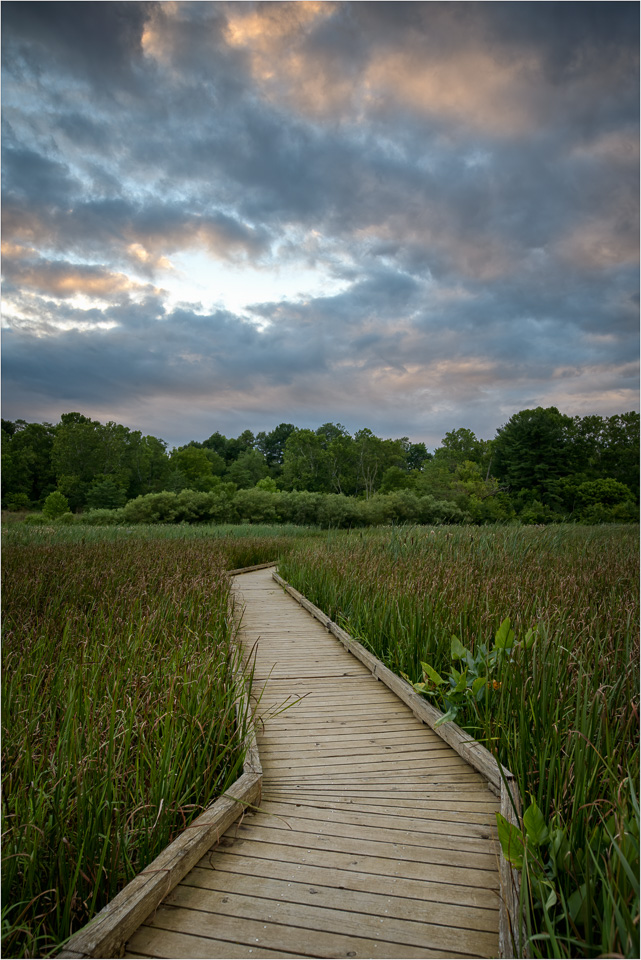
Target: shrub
{"x": 433, "y": 511}
{"x": 152, "y": 508}
{"x": 607, "y": 491}
{"x": 35, "y": 520}
{"x": 627, "y": 512}
{"x": 102, "y": 518}
{"x": 404, "y": 506}
{"x": 300, "y": 507}
{"x": 18, "y": 501}
{"x": 337, "y": 510}
{"x": 66, "y": 520}
{"x": 256, "y": 505}
{"x": 55, "y": 505}
{"x": 376, "y": 511}
{"x": 536, "y": 512}
{"x": 194, "y": 506}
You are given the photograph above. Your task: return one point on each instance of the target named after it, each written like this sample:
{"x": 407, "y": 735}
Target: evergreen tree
{"x": 532, "y": 452}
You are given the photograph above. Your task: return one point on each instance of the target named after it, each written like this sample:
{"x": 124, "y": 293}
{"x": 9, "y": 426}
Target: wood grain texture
{"x": 472, "y": 752}
{"x": 105, "y": 935}
{"x": 512, "y": 939}
{"x": 374, "y": 837}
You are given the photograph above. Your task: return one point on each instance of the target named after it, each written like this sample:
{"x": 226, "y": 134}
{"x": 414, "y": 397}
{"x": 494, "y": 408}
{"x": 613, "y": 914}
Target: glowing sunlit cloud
{"x": 15, "y": 250}
{"x": 11, "y": 313}
{"x": 158, "y": 261}
{"x": 65, "y": 280}
{"x": 85, "y": 326}
{"x": 470, "y": 87}
{"x": 156, "y": 40}
{"x": 270, "y": 24}
{"x": 28, "y": 317}
{"x": 274, "y": 37}
{"x": 199, "y": 278}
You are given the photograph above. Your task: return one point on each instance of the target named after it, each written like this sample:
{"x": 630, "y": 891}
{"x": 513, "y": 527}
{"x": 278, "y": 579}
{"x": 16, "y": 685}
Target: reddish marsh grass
{"x": 118, "y": 712}
{"x": 564, "y": 718}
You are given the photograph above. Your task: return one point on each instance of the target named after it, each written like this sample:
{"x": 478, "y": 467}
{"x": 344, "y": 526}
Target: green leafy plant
{"x": 55, "y": 505}
{"x": 602, "y": 875}
{"x": 476, "y": 679}
{"x": 565, "y": 719}
{"x": 544, "y": 848}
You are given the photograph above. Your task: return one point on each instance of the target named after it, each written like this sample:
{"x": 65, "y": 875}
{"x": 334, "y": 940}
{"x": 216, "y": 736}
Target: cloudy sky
{"x": 407, "y": 216}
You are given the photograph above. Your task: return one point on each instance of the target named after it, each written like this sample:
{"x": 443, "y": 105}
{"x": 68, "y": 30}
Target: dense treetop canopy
{"x": 541, "y": 466}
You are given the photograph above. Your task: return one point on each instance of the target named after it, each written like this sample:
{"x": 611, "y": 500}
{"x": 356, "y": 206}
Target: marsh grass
{"x": 119, "y": 711}
{"x": 565, "y": 716}
{"x": 265, "y": 538}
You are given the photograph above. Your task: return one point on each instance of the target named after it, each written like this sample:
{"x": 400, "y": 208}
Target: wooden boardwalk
{"x": 373, "y": 839}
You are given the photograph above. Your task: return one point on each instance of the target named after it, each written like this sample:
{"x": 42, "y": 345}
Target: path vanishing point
{"x": 373, "y": 838}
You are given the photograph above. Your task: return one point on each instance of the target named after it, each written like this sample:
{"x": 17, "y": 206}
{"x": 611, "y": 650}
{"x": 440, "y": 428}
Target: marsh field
{"x": 120, "y": 690}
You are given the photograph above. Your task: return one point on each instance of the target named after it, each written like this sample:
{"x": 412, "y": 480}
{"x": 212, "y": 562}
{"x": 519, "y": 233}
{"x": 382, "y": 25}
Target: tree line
{"x": 542, "y": 466}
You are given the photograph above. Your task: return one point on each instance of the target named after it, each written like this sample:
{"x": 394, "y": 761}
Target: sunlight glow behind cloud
{"x": 198, "y": 278}
{"x": 410, "y": 216}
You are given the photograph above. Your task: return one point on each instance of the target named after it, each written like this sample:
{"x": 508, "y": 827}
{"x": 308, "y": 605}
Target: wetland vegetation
{"x": 561, "y": 712}
{"x": 120, "y": 689}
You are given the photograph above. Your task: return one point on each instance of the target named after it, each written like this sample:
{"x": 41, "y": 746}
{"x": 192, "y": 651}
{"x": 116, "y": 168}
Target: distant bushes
{"x": 256, "y": 505}
{"x": 261, "y": 504}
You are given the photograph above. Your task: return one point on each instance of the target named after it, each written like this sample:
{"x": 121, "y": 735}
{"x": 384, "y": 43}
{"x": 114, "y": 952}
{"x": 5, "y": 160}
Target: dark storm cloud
{"x": 601, "y": 27}
{"x": 467, "y": 172}
{"x": 150, "y": 351}
{"x": 94, "y": 41}
{"x": 35, "y": 178}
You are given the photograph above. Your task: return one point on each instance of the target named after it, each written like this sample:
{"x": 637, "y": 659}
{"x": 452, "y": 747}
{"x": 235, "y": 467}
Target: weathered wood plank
{"x": 440, "y": 836}
{"x": 108, "y": 931}
{"x": 397, "y": 863}
{"x": 446, "y": 805}
{"x": 371, "y": 825}
{"x": 335, "y": 744}
{"x": 458, "y": 866}
{"x": 279, "y": 936}
{"x": 152, "y": 942}
{"x": 323, "y": 871}
{"x": 256, "y": 566}
{"x": 512, "y": 939}
{"x": 471, "y": 751}
{"x": 390, "y": 821}
{"x": 330, "y": 754}
{"x": 311, "y": 914}
{"x": 316, "y": 886}
{"x": 418, "y": 781}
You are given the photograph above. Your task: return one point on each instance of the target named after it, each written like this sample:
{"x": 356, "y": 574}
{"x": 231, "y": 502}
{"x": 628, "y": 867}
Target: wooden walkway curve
{"x": 373, "y": 838}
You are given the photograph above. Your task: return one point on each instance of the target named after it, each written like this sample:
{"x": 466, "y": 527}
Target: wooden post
{"x": 511, "y": 928}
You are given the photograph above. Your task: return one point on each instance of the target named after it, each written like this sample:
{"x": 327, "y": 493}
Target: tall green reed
{"x": 565, "y": 716}
{"x": 119, "y": 714}
{"x": 267, "y": 535}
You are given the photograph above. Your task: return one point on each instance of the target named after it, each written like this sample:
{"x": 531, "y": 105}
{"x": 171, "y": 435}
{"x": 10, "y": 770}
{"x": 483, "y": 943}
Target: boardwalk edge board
{"x": 500, "y": 780}
{"x": 256, "y": 566}
{"x": 109, "y": 931}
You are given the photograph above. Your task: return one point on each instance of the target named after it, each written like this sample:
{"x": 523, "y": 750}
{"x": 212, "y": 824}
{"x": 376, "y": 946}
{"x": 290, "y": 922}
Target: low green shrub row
{"x": 264, "y": 506}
